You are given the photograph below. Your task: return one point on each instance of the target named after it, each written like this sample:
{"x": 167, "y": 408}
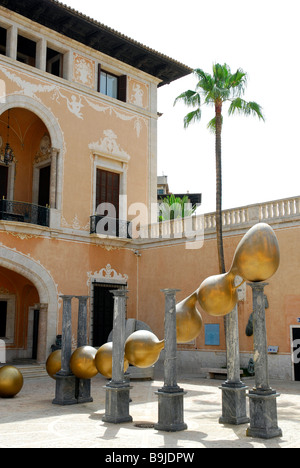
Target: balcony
{"x": 110, "y": 227}
{"x": 24, "y": 213}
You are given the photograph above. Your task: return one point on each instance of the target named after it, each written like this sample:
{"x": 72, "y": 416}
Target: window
{"x": 54, "y": 62}
{"x": 108, "y": 189}
{"x": 109, "y": 84}
{"x": 112, "y": 85}
{"x": 3, "y": 35}
{"x": 26, "y": 52}
{"x": 3, "y": 318}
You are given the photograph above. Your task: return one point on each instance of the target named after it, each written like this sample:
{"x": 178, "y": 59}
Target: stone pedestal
{"x": 263, "y": 399}
{"x": 117, "y": 403}
{"x": 65, "y": 393}
{"x": 234, "y": 408}
{"x": 263, "y": 415}
{"x": 118, "y": 390}
{"x": 171, "y": 396}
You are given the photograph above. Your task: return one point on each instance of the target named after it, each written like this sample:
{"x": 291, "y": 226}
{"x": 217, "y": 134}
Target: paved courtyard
{"x": 31, "y": 421}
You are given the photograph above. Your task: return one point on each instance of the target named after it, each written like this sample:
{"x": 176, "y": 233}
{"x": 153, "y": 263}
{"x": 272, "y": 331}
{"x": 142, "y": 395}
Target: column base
{"x": 83, "y": 391}
{"x": 263, "y": 415}
{"x": 65, "y": 392}
{"x": 117, "y": 404}
{"x": 234, "y": 409}
{"x": 170, "y": 411}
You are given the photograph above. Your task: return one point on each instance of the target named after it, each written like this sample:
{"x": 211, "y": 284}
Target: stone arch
{"x": 43, "y": 282}
{"x": 50, "y": 121}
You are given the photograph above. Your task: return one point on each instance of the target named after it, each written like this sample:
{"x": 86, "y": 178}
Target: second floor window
{"x": 108, "y": 84}
{"x": 112, "y": 85}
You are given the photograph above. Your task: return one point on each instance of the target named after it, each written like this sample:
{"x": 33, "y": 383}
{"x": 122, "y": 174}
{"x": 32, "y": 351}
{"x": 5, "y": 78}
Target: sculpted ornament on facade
{"x": 138, "y": 93}
{"x": 109, "y": 145}
{"x": 108, "y": 273}
{"x": 84, "y": 71}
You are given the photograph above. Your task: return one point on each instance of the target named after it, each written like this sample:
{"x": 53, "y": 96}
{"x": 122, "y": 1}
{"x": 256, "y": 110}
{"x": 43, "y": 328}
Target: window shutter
{"x": 122, "y": 91}
{"x": 99, "y": 76}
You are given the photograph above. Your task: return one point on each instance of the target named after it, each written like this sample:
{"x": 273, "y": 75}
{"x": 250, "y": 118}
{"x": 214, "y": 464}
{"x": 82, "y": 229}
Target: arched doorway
{"x": 35, "y": 175}
{"x": 25, "y": 288}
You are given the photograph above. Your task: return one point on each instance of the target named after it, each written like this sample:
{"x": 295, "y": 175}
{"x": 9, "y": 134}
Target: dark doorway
{"x": 3, "y": 181}
{"x": 296, "y": 353}
{"x": 3, "y": 318}
{"x": 103, "y": 313}
{"x": 44, "y": 186}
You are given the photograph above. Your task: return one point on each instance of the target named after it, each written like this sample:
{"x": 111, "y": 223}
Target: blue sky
{"x": 261, "y": 161}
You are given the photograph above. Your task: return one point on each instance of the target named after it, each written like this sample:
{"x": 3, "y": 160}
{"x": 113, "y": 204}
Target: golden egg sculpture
{"x": 188, "y": 320}
{"x": 257, "y": 256}
{"x": 103, "y": 360}
{"x": 53, "y": 364}
{"x": 143, "y": 348}
{"x": 82, "y": 363}
{"x": 217, "y": 295}
{"x": 11, "y": 382}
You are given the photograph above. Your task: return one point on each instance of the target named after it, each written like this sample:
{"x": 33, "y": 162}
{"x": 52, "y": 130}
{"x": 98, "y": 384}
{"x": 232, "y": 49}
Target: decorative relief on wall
{"x": 44, "y": 152}
{"x": 75, "y": 224}
{"x": 84, "y": 71}
{"x": 138, "y": 93}
{"x": 76, "y": 103}
{"x": 109, "y": 145}
{"x": 107, "y": 274}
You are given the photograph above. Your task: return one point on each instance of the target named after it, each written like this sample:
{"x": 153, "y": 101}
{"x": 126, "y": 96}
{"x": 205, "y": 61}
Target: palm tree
{"x": 216, "y": 89}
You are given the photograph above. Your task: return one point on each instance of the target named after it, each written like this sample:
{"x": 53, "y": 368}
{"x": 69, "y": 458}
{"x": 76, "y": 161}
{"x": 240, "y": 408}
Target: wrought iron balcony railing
{"x": 24, "y": 213}
{"x": 110, "y": 227}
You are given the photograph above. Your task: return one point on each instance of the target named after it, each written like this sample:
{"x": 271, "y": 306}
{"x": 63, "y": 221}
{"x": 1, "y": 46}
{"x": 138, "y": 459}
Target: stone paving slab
{"x": 31, "y": 421}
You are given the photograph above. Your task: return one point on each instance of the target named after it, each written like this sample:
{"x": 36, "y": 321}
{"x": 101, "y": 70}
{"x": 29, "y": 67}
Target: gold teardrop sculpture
{"x": 103, "y": 360}
{"x": 217, "y": 295}
{"x": 189, "y": 320}
{"x": 143, "y": 348}
{"x": 257, "y": 256}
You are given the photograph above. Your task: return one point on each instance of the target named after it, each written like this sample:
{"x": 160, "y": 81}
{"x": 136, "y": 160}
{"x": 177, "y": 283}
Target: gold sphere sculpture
{"x": 11, "y": 382}
{"x": 143, "y": 348}
{"x": 188, "y": 320}
{"x": 82, "y": 363}
{"x": 53, "y": 364}
{"x": 103, "y": 360}
{"x": 217, "y": 295}
{"x": 257, "y": 256}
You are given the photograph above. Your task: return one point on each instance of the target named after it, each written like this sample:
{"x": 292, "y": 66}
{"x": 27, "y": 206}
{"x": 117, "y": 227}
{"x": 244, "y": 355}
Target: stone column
{"x": 42, "y": 334}
{"x": 65, "y": 380}
{"x": 117, "y": 391}
{"x": 233, "y": 390}
{"x": 12, "y": 42}
{"x": 171, "y": 396}
{"x": 263, "y": 404}
{"x": 83, "y": 391}
{"x": 53, "y": 177}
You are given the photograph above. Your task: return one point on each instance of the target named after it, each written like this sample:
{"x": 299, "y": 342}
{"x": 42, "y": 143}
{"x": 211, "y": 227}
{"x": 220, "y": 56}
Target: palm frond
{"x": 192, "y": 117}
{"x": 190, "y": 98}
{"x": 241, "y": 106}
{"x": 211, "y": 126}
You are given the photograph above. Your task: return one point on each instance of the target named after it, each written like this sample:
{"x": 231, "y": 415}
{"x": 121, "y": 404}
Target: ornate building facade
{"x": 78, "y": 107}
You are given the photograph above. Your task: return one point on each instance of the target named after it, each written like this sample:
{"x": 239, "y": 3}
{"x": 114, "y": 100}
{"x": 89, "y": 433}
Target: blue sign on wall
{"x": 212, "y": 335}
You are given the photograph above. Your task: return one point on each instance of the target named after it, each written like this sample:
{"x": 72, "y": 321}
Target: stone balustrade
{"x": 275, "y": 212}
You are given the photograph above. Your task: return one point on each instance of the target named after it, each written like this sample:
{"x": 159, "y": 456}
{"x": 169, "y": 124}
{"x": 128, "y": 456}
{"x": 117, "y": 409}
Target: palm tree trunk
{"x": 219, "y": 224}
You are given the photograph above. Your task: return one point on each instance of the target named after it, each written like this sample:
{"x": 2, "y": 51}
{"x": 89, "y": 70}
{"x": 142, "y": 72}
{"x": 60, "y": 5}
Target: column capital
{"x": 54, "y": 152}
